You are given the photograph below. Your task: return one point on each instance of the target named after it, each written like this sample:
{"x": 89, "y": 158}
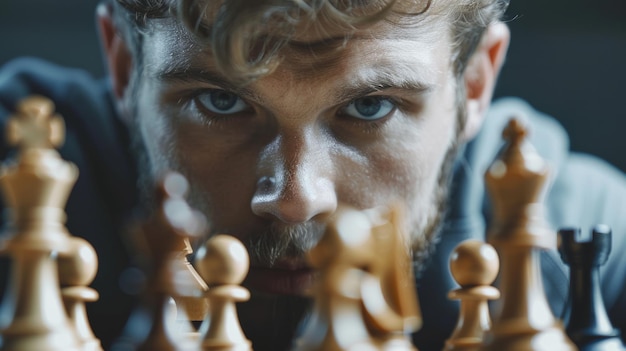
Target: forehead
{"x": 387, "y": 44}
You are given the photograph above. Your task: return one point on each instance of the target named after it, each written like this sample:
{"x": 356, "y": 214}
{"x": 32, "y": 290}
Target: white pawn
{"x": 223, "y": 263}
{"x": 76, "y": 271}
{"x": 474, "y": 265}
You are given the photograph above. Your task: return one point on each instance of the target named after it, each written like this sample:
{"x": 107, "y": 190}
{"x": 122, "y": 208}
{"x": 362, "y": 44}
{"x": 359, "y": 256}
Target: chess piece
{"x": 516, "y": 182}
{"x": 190, "y": 306}
{"x": 586, "y": 321}
{"x": 371, "y": 295}
{"x": 223, "y": 263}
{"x": 36, "y": 190}
{"x": 35, "y": 127}
{"x": 76, "y": 271}
{"x": 339, "y": 257}
{"x": 389, "y": 296}
{"x": 162, "y": 239}
{"x": 474, "y": 266}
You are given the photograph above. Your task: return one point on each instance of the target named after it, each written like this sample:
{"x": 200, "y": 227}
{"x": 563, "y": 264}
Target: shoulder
{"x": 594, "y": 191}
{"x": 93, "y": 129}
{"x": 96, "y": 139}
{"x": 82, "y": 100}
{"x": 546, "y": 134}
{"x": 25, "y": 76}
{"x": 585, "y": 189}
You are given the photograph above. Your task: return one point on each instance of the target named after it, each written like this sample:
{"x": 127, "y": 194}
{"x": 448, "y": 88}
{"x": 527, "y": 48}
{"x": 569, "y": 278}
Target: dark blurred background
{"x": 567, "y": 58}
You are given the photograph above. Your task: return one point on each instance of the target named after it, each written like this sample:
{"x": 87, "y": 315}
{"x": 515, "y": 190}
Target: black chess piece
{"x": 585, "y": 317}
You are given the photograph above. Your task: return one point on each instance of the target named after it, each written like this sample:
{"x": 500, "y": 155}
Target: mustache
{"x": 283, "y": 241}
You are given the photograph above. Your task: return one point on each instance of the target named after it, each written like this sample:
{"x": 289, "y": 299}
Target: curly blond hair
{"x": 247, "y": 36}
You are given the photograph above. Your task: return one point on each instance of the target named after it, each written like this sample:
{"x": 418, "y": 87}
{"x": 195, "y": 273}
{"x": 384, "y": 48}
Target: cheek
{"x": 402, "y": 173}
{"x": 155, "y": 129}
{"x": 407, "y": 167}
{"x": 224, "y": 176}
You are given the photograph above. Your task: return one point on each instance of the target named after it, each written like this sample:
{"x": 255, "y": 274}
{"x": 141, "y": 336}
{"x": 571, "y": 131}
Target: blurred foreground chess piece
{"x": 223, "y": 263}
{"x": 474, "y": 266}
{"x": 161, "y": 239}
{"x": 339, "y": 257}
{"x": 190, "y": 306}
{"x": 351, "y": 291}
{"x": 36, "y": 189}
{"x": 586, "y": 321}
{"x": 389, "y": 296}
{"x": 516, "y": 182}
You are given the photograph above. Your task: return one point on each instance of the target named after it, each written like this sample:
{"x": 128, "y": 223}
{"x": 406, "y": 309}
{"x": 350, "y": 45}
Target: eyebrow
{"x": 194, "y": 75}
{"x": 377, "y": 83}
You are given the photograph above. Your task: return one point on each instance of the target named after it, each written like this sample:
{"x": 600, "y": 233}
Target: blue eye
{"x": 222, "y": 102}
{"x": 369, "y": 108}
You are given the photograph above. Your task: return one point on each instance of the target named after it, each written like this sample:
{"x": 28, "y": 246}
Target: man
{"x": 277, "y": 113}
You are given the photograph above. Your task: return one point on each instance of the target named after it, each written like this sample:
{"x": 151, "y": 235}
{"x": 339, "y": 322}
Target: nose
{"x": 296, "y": 180}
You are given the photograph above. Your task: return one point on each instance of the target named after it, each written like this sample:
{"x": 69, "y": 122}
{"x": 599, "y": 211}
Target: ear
{"x": 481, "y": 75}
{"x": 116, "y": 54}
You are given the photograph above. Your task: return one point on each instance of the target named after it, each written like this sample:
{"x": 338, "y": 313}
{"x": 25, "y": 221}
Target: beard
{"x": 281, "y": 242}
{"x": 425, "y": 238}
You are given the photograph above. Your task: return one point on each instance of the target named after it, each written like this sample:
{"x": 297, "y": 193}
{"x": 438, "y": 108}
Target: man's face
{"x": 368, "y": 124}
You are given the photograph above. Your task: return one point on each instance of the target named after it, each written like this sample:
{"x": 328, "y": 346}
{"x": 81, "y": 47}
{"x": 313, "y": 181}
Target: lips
{"x": 285, "y": 277}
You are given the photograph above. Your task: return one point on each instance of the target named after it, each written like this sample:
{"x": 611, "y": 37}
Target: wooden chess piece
{"x": 162, "y": 239}
{"x": 371, "y": 295}
{"x": 223, "y": 263}
{"x": 36, "y": 190}
{"x": 341, "y": 255}
{"x": 191, "y": 305}
{"x": 76, "y": 271}
{"x": 516, "y": 182}
{"x": 586, "y": 321}
{"x": 389, "y": 296}
{"x": 474, "y": 266}
{"x": 35, "y": 126}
